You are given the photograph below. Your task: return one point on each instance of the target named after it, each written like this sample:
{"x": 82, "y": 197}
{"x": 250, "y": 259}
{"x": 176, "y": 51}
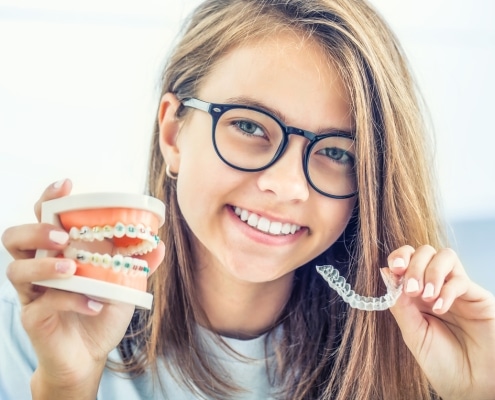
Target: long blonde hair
{"x": 327, "y": 350}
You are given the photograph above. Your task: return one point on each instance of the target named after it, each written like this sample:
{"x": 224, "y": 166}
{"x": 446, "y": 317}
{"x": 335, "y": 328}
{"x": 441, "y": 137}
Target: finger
{"x": 39, "y": 314}
{"x": 409, "y": 318}
{"x": 476, "y": 303}
{"x": 55, "y": 190}
{"x": 23, "y": 272}
{"x": 22, "y": 241}
{"x": 441, "y": 268}
{"x": 451, "y": 290}
{"x": 399, "y": 259}
{"x": 414, "y": 276}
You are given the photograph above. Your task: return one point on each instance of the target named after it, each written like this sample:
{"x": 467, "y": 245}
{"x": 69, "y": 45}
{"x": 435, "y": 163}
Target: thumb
{"x": 408, "y": 316}
{"x": 412, "y": 322}
{"x": 54, "y": 191}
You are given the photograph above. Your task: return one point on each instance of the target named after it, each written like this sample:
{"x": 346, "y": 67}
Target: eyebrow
{"x": 249, "y": 101}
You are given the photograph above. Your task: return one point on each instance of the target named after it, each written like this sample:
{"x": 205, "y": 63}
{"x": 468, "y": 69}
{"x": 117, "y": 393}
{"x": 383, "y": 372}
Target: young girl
{"x": 288, "y": 135}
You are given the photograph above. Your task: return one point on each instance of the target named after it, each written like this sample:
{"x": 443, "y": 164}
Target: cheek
{"x": 347, "y": 212}
{"x": 195, "y": 151}
{"x": 198, "y": 185}
{"x": 337, "y": 218}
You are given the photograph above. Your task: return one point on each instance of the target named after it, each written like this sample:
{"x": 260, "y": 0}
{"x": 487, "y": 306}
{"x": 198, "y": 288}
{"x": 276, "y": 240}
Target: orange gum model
{"x": 108, "y": 234}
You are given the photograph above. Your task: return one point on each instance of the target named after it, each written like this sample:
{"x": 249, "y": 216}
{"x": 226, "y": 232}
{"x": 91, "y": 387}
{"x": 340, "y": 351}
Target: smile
{"x": 264, "y": 224}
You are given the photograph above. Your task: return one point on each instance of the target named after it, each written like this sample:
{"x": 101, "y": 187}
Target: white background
{"x": 79, "y": 82}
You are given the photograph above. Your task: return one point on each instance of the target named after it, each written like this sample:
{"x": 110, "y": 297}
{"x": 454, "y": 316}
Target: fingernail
{"x": 412, "y": 285}
{"x": 58, "y": 184}
{"x": 59, "y": 237}
{"x": 398, "y": 263}
{"x": 438, "y": 304}
{"x": 65, "y": 267}
{"x": 429, "y": 290}
{"x": 95, "y": 305}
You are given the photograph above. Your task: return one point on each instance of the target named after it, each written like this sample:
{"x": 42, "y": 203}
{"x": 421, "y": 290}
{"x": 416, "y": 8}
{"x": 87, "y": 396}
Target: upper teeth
{"x": 89, "y": 234}
{"x": 265, "y": 225}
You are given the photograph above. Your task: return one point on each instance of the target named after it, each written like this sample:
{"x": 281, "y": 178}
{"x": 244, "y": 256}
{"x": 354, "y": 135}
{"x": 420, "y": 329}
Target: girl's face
{"x": 291, "y": 77}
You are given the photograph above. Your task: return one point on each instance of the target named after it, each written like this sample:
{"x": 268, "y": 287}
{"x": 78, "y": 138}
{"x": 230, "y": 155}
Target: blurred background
{"x": 79, "y": 87}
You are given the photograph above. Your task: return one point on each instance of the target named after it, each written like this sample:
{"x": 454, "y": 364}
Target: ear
{"x": 169, "y": 126}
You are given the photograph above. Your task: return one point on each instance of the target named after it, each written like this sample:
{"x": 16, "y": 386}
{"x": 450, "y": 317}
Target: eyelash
{"x": 350, "y": 157}
{"x": 237, "y": 124}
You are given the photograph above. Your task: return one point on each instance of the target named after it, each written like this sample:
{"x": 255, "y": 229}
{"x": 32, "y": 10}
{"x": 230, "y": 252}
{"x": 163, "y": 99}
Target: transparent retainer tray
{"x": 344, "y": 290}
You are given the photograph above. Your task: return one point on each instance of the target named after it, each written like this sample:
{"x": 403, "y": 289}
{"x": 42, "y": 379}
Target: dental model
{"x": 106, "y": 233}
{"x": 344, "y": 290}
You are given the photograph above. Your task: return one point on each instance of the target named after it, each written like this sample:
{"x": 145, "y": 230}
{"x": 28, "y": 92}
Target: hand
{"x": 447, "y": 321}
{"x": 71, "y": 334}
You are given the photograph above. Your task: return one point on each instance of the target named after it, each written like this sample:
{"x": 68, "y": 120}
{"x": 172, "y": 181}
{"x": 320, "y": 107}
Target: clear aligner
{"x": 344, "y": 290}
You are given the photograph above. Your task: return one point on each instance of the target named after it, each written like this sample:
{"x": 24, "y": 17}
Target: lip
{"x": 262, "y": 237}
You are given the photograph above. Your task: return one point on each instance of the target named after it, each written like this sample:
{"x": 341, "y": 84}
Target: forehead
{"x": 286, "y": 71}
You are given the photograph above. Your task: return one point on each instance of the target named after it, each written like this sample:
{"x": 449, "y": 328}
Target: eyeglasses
{"x": 251, "y": 139}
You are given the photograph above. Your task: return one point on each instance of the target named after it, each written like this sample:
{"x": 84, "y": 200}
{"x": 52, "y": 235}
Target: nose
{"x": 286, "y": 177}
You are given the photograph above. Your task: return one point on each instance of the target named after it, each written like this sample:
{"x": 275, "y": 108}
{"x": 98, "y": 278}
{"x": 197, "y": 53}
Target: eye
{"x": 249, "y": 128}
{"x": 337, "y": 154}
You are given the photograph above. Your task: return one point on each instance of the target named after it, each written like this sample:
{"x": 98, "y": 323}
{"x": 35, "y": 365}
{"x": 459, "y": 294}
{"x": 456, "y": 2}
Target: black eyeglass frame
{"x": 216, "y": 110}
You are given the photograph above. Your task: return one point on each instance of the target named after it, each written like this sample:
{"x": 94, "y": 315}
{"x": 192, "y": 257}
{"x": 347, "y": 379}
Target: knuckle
{"x": 447, "y": 251}
{"x": 21, "y": 241}
{"x": 8, "y": 240}
{"x": 405, "y": 250}
{"x": 11, "y": 271}
{"x": 426, "y": 248}
{"x": 37, "y": 209}
{"x": 408, "y": 248}
{"x": 27, "y": 320}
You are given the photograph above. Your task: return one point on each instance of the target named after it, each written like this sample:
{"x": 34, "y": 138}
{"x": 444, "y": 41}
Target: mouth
{"x": 263, "y": 224}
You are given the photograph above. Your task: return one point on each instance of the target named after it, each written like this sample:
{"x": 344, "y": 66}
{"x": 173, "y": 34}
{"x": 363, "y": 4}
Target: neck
{"x": 240, "y": 309}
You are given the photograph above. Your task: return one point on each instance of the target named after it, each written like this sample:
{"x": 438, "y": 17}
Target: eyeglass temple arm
{"x": 198, "y": 104}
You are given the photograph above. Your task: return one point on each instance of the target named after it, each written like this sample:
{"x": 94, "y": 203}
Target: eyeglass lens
{"x": 250, "y": 140}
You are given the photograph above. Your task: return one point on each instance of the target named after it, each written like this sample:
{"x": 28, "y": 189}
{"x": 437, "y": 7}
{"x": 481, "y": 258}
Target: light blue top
{"x": 18, "y": 361}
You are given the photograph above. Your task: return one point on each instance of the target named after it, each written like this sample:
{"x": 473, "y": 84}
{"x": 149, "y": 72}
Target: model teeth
{"x": 149, "y": 240}
{"x": 265, "y": 225}
{"x": 121, "y": 260}
{"x": 118, "y": 262}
